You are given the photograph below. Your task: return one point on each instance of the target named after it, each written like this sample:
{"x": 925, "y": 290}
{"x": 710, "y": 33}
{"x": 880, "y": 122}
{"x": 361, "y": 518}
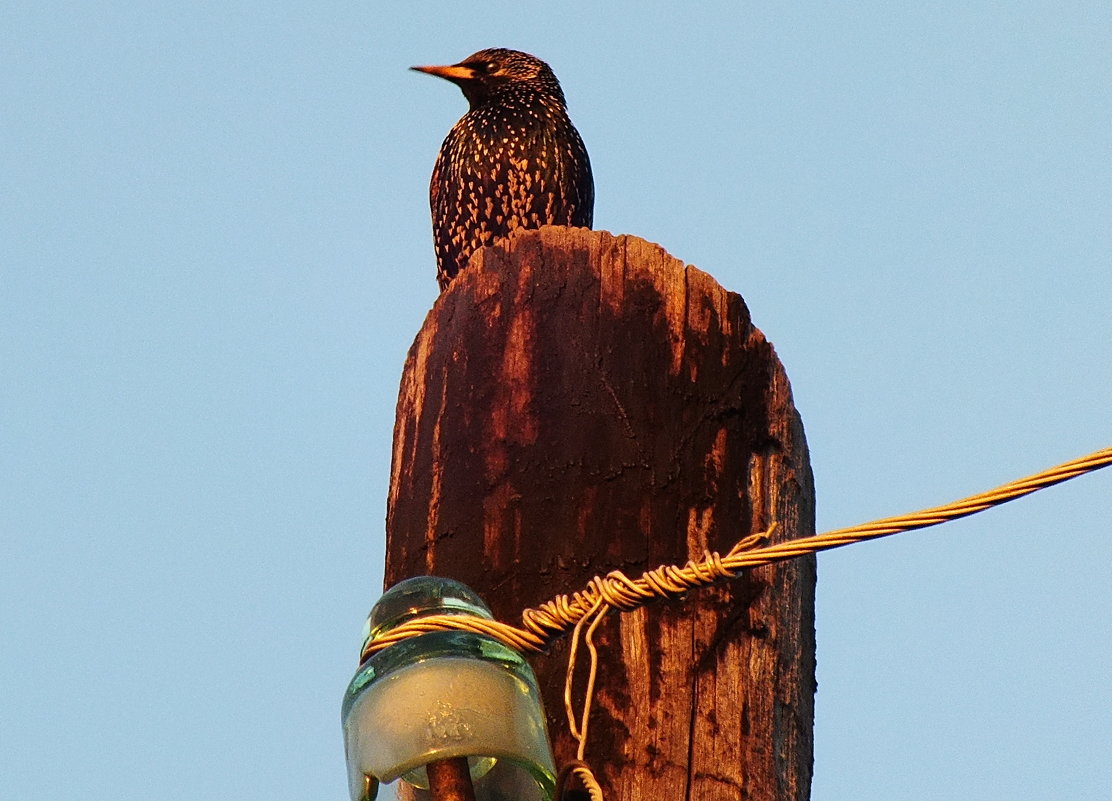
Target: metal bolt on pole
{"x": 450, "y": 780}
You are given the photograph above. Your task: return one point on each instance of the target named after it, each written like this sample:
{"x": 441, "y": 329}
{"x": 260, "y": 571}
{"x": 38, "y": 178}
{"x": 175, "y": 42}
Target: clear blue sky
{"x": 215, "y": 251}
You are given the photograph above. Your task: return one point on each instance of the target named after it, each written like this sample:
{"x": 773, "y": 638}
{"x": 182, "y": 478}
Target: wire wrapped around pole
{"x": 543, "y": 625}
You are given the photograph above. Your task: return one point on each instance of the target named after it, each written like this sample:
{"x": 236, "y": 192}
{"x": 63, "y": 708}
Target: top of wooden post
{"x": 578, "y": 402}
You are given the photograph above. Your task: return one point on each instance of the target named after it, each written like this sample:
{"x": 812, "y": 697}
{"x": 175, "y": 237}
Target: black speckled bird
{"x": 513, "y": 161}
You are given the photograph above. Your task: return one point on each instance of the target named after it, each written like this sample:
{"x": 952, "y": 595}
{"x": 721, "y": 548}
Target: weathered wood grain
{"x": 578, "y": 402}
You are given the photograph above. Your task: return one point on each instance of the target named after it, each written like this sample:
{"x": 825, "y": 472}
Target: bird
{"x": 514, "y": 160}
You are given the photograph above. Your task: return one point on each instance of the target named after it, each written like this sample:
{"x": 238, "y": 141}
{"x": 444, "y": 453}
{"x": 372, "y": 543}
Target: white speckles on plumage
{"x": 513, "y": 161}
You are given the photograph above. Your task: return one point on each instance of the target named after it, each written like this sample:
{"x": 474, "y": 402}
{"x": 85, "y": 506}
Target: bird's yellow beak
{"x": 453, "y": 72}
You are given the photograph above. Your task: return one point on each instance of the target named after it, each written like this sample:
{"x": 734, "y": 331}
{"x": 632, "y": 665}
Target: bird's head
{"x": 495, "y": 73}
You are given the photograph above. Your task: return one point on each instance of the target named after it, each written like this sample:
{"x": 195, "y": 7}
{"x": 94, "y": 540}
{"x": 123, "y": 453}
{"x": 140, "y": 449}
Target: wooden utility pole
{"x": 576, "y": 403}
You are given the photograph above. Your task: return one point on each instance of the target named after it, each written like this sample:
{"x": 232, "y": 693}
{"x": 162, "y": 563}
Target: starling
{"x": 514, "y": 160}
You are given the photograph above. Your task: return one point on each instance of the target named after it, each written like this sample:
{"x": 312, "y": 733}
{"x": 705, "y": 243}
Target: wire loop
{"x": 586, "y": 608}
{"x": 543, "y": 625}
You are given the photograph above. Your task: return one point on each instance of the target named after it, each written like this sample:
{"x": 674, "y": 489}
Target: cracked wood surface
{"x": 578, "y": 402}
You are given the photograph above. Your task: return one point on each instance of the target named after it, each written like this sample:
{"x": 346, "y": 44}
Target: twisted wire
{"x": 544, "y": 624}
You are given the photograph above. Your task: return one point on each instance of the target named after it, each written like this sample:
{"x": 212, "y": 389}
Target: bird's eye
{"x": 490, "y": 67}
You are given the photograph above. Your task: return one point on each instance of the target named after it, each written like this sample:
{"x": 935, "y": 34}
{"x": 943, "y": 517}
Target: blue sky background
{"x": 215, "y": 252}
